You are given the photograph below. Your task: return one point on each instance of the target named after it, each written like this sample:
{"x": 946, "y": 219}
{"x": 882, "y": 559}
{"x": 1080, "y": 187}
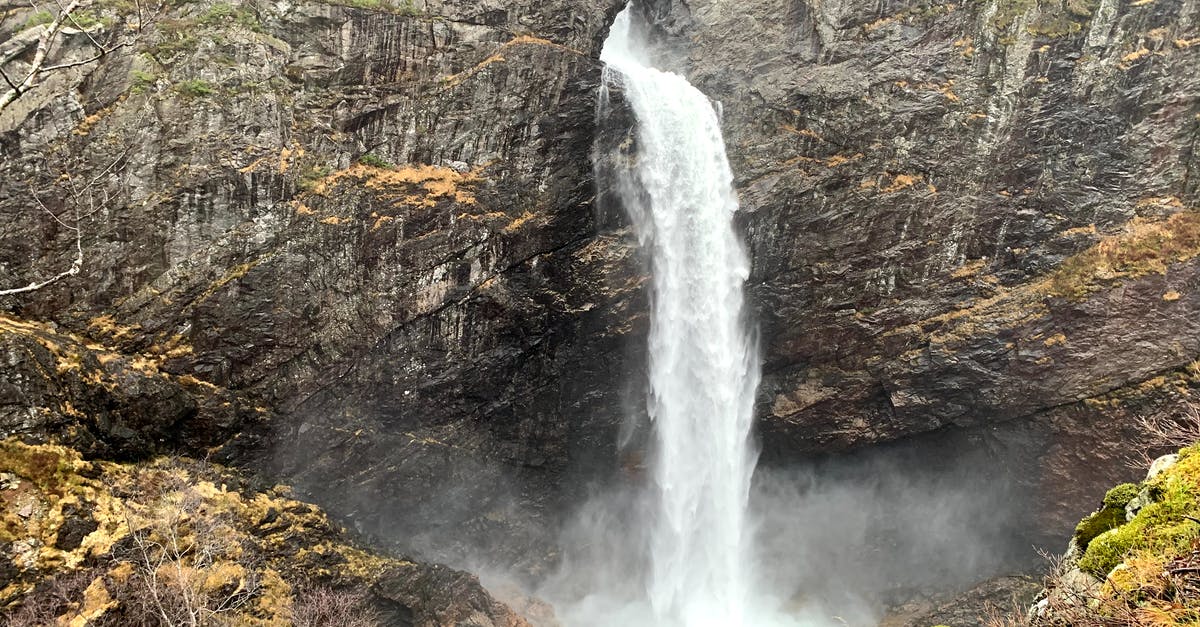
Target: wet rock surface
{"x": 1003, "y": 596}
{"x": 962, "y": 216}
{"x": 902, "y": 164}
{"x": 377, "y": 222}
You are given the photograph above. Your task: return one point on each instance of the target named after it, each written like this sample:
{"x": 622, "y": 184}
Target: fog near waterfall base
{"x": 838, "y": 539}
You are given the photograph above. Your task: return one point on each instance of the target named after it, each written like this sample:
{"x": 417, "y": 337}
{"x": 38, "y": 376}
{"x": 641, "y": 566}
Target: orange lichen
{"x": 803, "y": 132}
{"x": 1166, "y": 202}
{"x": 498, "y": 56}
{"x": 969, "y": 270}
{"x": 380, "y": 221}
{"x": 1132, "y": 57}
{"x": 519, "y": 222}
{"x": 416, "y": 185}
{"x": 902, "y": 181}
{"x": 1058, "y": 339}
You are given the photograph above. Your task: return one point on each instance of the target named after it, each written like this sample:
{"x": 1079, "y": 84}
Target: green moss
{"x": 48, "y": 468}
{"x": 1121, "y": 495}
{"x": 1163, "y": 527}
{"x": 1110, "y": 516}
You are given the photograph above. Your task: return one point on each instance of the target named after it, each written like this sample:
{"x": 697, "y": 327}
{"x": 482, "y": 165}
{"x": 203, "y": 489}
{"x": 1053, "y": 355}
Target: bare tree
{"x": 20, "y": 73}
{"x": 322, "y": 606}
{"x": 83, "y": 198}
{"x": 49, "y": 37}
{"x": 50, "y": 599}
{"x": 175, "y": 544}
{"x": 1167, "y": 430}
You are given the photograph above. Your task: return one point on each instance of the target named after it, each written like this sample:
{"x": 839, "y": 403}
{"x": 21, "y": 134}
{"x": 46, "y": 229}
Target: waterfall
{"x": 703, "y": 367}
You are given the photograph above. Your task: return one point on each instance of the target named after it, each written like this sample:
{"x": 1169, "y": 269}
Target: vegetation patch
{"x": 1167, "y": 526}
{"x": 1110, "y": 516}
{"x": 414, "y": 185}
{"x": 196, "y": 88}
{"x": 374, "y": 161}
{"x": 1047, "y": 18}
{"x": 396, "y": 7}
{"x": 1146, "y": 247}
{"x": 168, "y": 542}
{"x": 223, "y": 14}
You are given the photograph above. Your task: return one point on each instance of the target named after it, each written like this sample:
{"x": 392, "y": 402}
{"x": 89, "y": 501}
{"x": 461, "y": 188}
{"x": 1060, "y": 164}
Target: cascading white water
{"x": 703, "y": 369}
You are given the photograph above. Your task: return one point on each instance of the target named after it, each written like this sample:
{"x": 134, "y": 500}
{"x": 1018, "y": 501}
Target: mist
{"x": 838, "y": 540}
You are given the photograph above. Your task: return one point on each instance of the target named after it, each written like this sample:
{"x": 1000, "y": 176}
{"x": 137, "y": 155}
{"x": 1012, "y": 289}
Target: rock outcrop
{"x": 959, "y": 214}
{"x": 1134, "y": 560}
{"x": 100, "y": 543}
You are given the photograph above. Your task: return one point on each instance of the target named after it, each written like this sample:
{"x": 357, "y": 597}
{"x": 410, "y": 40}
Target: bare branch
{"x": 71, "y": 16}
{"x": 76, "y": 265}
{"x": 8, "y": 80}
{"x": 77, "y": 196}
{"x": 100, "y": 55}
{"x": 45, "y": 41}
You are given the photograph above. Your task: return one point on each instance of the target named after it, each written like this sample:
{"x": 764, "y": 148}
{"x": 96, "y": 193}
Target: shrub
{"x": 322, "y": 606}
{"x": 39, "y": 18}
{"x": 222, "y": 13}
{"x": 142, "y": 81}
{"x": 196, "y": 88}
{"x": 397, "y": 7}
{"x": 375, "y": 161}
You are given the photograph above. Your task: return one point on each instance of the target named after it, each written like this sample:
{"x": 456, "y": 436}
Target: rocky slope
{"x": 1134, "y": 560}
{"x": 182, "y": 542}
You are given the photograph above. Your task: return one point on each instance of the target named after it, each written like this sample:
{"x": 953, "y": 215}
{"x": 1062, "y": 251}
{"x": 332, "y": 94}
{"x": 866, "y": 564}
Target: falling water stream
{"x": 678, "y": 548}
{"x": 703, "y": 370}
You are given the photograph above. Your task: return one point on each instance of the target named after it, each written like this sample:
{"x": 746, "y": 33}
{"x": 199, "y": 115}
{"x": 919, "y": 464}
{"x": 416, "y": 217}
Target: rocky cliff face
{"x": 374, "y": 221}
{"x": 370, "y": 233}
{"x": 973, "y": 214}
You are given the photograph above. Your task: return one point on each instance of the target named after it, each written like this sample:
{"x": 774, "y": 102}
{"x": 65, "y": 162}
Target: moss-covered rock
{"x": 1110, "y": 515}
{"x": 113, "y": 542}
{"x": 1166, "y": 526}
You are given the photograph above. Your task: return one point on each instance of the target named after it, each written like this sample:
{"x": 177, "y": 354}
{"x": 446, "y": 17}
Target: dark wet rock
{"x": 107, "y": 403}
{"x": 1003, "y": 596}
{"x": 447, "y": 337}
{"x": 437, "y": 595}
{"x": 908, "y": 165}
{"x": 77, "y": 523}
